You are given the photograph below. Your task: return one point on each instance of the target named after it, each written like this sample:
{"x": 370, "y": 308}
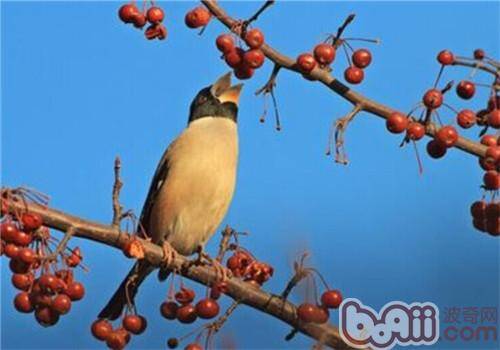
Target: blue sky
{"x": 79, "y": 87}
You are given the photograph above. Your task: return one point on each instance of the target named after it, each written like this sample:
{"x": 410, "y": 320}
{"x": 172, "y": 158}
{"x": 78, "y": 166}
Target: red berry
{"x": 185, "y": 296}
{"x": 48, "y": 283}
{"x": 466, "y": 89}
{"x": 27, "y": 255}
{"x": 31, "y": 221}
{"x": 493, "y": 155}
{"x": 22, "y": 303}
{"x": 198, "y": 17}
{"x": 225, "y": 43}
{"x": 117, "y": 340}
{"x": 139, "y": 20}
{"x": 101, "y": 329}
{"x": 243, "y": 72}
{"x": 479, "y": 224}
{"x": 46, "y": 316}
{"x": 193, "y": 346}
{"x": 40, "y": 299}
{"x": 493, "y": 227}
{"x": 396, "y": 123}
{"x": 433, "y": 99}
{"x": 217, "y": 289}
{"x": 207, "y": 308}
{"x": 415, "y": 131}
{"x": 324, "y": 54}
{"x": 494, "y": 119}
{"x": 23, "y": 239}
{"x": 478, "y": 209}
{"x": 168, "y": 309}
{"x": 466, "y": 118}
{"x": 156, "y": 31}
{"x": 234, "y": 58}
{"x": 135, "y": 324}
{"x": 254, "y": 38}
{"x": 331, "y": 299}
{"x": 436, "y": 149}
{"x": 11, "y": 250}
{"x": 446, "y": 57}
{"x": 306, "y": 62}
{"x": 361, "y": 58}
{"x": 75, "y": 291}
{"x": 321, "y": 315}
{"x": 307, "y": 312}
{"x": 489, "y": 140}
{"x": 17, "y": 266}
{"x": 127, "y": 12}
{"x": 186, "y": 314}
{"x": 354, "y": 75}
{"x": 491, "y": 180}
{"x": 447, "y": 135}
{"x": 61, "y": 304}
{"x": 75, "y": 258}
{"x": 8, "y": 231}
{"x": 155, "y": 15}
{"x": 253, "y": 58}
{"x": 479, "y": 54}
{"x": 22, "y": 281}
{"x": 492, "y": 211}
{"x": 487, "y": 164}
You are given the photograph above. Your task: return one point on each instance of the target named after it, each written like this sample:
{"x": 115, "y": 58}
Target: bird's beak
{"x": 223, "y": 90}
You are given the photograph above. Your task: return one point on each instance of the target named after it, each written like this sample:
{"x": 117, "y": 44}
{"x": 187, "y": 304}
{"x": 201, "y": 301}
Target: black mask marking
{"x": 207, "y": 105}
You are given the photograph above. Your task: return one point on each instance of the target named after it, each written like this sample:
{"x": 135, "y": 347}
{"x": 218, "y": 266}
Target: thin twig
{"x": 117, "y": 186}
{"x": 62, "y": 245}
{"x": 341, "y": 125}
{"x": 256, "y": 15}
{"x": 324, "y": 77}
{"x": 341, "y": 29}
{"x": 227, "y": 233}
{"x": 217, "y": 324}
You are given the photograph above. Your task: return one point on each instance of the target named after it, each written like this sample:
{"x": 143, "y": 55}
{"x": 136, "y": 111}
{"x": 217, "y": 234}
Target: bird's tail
{"x": 126, "y": 291}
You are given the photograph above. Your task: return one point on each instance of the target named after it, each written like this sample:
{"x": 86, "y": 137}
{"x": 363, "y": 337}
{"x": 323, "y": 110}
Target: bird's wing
{"x": 158, "y": 181}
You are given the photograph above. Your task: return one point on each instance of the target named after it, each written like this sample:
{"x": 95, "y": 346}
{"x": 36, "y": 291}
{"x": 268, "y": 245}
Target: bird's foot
{"x": 203, "y": 258}
{"x": 169, "y": 254}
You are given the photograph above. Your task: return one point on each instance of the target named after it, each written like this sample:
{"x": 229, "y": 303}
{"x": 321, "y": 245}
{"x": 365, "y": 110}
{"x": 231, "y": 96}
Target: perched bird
{"x": 193, "y": 184}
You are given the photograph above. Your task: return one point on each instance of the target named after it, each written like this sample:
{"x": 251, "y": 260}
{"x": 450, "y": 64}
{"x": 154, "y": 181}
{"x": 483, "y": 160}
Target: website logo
{"x": 396, "y": 324}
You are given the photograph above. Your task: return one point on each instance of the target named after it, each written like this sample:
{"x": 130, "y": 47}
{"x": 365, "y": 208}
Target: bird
{"x": 192, "y": 187}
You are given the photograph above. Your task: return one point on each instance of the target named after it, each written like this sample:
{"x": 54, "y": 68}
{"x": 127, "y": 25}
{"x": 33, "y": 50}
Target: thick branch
{"x": 323, "y": 76}
{"x": 237, "y": 289}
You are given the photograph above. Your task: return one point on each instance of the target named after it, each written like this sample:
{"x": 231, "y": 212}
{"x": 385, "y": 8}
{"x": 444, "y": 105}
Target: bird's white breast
{"x": 199, "y": 186}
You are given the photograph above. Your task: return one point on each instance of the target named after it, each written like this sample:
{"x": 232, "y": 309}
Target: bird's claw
{"x": 169, "y": 255}
{"x": 222, "y": 273}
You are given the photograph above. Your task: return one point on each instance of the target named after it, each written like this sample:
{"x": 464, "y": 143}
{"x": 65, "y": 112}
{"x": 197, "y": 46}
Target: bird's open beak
{"x": 223, "y": 90}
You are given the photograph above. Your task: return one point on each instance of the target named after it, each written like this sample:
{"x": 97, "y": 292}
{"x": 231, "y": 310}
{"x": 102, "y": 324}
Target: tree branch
{"x": 323, "y": 76}
{"x": 237, "y": 289}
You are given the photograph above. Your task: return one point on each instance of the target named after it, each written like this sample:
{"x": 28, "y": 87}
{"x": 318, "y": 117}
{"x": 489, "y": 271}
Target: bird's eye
{"x": 202, "y": 99}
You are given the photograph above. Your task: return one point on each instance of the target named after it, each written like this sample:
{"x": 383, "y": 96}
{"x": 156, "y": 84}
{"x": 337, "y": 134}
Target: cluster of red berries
{"x": 130, "y": 13}
{"x": 119, "y": 337}
{"x": 185, "y": 311}
{"x": 308, "y": 312}
{"x": 46, "y": 290}
{"x": 486, "y": 217}
{"x": 243, "y": 62}
{"x": 323, "y": 56}
{"x": 243, "y": 265}
{"x": 198, "y": 17}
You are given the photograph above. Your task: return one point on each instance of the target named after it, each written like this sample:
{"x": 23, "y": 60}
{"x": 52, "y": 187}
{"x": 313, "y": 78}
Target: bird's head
{"x": 217, "y": 100}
